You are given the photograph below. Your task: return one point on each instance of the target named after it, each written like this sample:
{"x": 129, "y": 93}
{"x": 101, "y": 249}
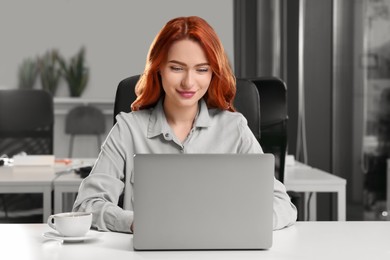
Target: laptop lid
{"x": 203, "y": 201}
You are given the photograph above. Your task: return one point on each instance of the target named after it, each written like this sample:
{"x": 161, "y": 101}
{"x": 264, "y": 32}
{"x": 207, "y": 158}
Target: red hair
{"x": 222, "y": 89}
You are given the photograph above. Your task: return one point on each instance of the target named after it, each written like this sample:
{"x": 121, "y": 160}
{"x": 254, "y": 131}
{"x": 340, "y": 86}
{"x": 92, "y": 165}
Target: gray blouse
{"x": 147, "y": 131}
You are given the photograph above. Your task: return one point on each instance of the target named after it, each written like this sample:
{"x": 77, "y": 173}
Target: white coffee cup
{"x": 71, "y": 224}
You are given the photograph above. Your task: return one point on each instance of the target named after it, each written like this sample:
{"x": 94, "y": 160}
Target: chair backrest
{"x": 125, "y": 95}
{"x": 247, "y": 101}
{"x": 85, "y": 120}
{"x": 26, "y": 121}
{"x": 273, "y": 107}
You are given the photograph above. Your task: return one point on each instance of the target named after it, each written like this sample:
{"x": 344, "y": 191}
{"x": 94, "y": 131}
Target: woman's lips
{"x": 186, "y": 94}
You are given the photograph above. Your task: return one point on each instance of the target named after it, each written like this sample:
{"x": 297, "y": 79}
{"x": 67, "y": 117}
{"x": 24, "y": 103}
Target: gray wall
{"x": 116, "y": 34}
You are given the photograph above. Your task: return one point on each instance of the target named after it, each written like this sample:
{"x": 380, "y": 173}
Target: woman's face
{"x": 185, "y": 75}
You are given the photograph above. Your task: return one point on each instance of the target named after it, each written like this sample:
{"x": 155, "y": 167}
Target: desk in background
{"x": 303, "y": 178}
{"x": 36, "y": 179}
{"x": 22, "y": 179}
{"x": 303, "y": 241}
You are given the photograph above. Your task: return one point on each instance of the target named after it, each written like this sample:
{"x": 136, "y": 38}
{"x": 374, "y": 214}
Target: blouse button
{"x": 168, "y": 136}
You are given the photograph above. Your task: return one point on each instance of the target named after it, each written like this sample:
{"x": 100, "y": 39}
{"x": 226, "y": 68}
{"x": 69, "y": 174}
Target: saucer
{"x": 89, "y": 236}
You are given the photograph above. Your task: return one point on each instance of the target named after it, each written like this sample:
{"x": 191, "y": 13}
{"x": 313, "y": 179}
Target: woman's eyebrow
{"x": 183, "y": 64}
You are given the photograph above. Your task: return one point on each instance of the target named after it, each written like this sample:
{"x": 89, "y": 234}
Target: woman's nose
{"x": 188, "y": 80}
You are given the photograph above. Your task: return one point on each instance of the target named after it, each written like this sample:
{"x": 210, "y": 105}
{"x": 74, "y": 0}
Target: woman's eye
{"x": 175, "y": 68}
{"x": 203, "y": 69}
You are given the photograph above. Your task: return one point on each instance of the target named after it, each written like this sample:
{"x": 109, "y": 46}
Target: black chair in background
{"x": 26, "y": 122}
{"x": 84, "y": 120}
{"x": 26, "y": 125}
{"x": 125, "y": 95}
{"x": 273, "y": 107}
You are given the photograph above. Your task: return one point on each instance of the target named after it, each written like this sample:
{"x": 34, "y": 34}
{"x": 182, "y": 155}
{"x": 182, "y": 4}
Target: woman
{"x": 184, "y": 105}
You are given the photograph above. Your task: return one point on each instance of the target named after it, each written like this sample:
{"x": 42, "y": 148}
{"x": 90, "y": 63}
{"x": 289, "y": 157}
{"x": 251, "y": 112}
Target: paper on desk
{"x": 33, "y": 160}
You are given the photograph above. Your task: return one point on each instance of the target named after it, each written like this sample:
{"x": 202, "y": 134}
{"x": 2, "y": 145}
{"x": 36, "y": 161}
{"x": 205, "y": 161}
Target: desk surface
{"x": 36, "y": 175}
{"x": 35, "y": 179}
{"x": 305, "y": 240}
{"x": 17, "y": 175}
{"x": 307, "y": 175}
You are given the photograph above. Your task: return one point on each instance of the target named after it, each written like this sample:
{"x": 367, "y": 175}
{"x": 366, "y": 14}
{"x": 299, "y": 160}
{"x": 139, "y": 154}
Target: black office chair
{"x": 125, "y": 95}
{"x": 26, "y": 122}
{"x": 273, "y": 107}
{"x": 26, "y": 125}
{"x": 84, "y": 120}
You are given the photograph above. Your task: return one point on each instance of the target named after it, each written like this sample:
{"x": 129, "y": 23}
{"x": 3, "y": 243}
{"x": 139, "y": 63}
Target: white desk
{"x": 35, "y": 179}
{"x": 303, "y": 178}
{"x": 304, "y": 241}
{"x": 22, "y": 179}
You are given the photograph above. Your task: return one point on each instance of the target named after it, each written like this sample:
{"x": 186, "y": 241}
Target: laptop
{"x": 203, "y": 201}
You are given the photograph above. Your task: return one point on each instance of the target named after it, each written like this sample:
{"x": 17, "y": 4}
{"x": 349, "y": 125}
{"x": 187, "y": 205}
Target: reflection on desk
{"x": 305, "y": 240}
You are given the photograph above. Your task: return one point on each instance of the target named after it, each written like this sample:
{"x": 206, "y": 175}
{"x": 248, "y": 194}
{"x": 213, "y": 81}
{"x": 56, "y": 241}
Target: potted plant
{"x": 49, "y": 71}
{"x": 75, "y": 73}
{"x": 27, "y": 73}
